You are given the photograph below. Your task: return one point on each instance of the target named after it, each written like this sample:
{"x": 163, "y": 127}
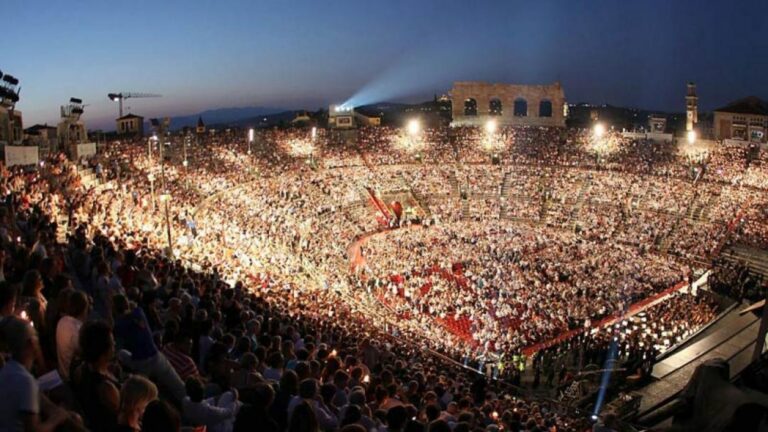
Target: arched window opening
{"x": 521, "y": 108}
{"x": 495, "y": 107}
{"x": 545, "y": 108}
{"x": 470, "y": 107}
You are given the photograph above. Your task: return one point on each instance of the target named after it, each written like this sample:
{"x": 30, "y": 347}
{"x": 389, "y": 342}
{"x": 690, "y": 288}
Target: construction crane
{"x": 119, "y": 97}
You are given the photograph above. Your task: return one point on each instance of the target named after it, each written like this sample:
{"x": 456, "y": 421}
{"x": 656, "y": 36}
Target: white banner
{"x": 21, "y": 155}
{"x": 86, "y": 150}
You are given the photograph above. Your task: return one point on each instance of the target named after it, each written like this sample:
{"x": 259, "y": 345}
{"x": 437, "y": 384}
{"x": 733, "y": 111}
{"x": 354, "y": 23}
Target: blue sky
{"x": 203, "y": 54}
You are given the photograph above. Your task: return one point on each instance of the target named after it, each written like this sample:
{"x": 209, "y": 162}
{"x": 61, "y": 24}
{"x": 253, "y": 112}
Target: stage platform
{"x": 731, "y": 337}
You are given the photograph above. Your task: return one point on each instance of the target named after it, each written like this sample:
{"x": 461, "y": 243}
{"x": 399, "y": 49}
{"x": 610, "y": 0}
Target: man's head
{"x": 78, "y": 305}
{"x": 396, "y": 418}
{"x": 308, "y": 388}
{"x": 8, "y": 294}
{"x": 120, "y": 304}
{"x": 195, "y": 389}
{"x": 21, "y": 340}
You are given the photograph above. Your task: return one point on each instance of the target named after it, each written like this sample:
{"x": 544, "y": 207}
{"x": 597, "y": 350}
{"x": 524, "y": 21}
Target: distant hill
{"x": 262, "y": 120}
{"x": 221, "y": 116}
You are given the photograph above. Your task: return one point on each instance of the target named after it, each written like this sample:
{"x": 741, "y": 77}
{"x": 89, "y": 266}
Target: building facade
{"x": 44, "y": 137}
{"x": 11, "y": 126}
{"x": 744, "y": 120}
{"x": 341, "y": 117}
{"x": 130, "y": 124}
{"x": 474, "y": 103}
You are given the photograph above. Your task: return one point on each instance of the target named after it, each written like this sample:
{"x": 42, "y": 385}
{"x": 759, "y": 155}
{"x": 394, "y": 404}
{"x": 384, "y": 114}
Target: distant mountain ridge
{"x": 222, "y": 116}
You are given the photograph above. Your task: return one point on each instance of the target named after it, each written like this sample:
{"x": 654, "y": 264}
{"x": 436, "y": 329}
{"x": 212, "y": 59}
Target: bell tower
{"x": 691, "y": 107}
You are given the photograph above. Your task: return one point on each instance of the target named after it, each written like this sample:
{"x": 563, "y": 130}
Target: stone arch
{"x": 470, "y": 107}
{"x": 521, "y": 107}
{"x": 545, "y": 108}
{"x": 495, "y": 107}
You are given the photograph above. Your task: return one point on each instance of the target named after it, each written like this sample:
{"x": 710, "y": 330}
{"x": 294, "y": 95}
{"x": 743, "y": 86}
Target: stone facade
{"x": 130, "y": 124}
{"x": 744, "y": 120}
{"x": 508, "y": 104}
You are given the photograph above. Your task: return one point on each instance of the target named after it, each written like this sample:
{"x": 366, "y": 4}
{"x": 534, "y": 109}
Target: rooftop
{"x": 748, "y": 105}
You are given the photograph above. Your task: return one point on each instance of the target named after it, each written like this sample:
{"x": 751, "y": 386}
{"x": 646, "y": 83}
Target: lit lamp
{"x": 250, "y": 139}
{"x": 599, "y": 130}
{"x": 185, "y": 163}
{"x": 691, "y": 136}
{"x": 490, "y": 126}
{"x": 314, "y": 132}
{"x": 414, "y": 127}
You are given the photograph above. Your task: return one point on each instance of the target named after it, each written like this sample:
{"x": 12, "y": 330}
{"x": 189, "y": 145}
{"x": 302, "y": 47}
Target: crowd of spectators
{"x": 260, "y": 285}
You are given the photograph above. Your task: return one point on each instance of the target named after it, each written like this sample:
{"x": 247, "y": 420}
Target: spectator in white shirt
{"x": 20, "y": 400}
{"x": 68, "y": 331}
{"x": 216, "y": 414}
{"x": 309, "y": 392}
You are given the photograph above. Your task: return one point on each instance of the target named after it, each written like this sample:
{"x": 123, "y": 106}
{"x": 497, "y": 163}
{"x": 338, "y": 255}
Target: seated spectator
{"x": 139, "y": 350}
{"x": 68, "y": 330}
{"x": 304, "y": 419}
{"x": 309, "y": 393}
{"x": 216, "y": 414}
{"x": 178, "y": 351}
{"x": 136, "y": 394}
{"x": 254, "y": 414}
{"x": 95, "y": 387}
{"x": 21, "y": 405}
{"x": 160, "y": 416}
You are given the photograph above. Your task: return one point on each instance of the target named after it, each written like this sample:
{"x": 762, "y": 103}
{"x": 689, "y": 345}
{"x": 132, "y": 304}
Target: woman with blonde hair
{"x": 136, "y": 393}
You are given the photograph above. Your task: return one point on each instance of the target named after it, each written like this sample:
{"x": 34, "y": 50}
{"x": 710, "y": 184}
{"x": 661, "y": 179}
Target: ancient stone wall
{"x": 483, "y": 93}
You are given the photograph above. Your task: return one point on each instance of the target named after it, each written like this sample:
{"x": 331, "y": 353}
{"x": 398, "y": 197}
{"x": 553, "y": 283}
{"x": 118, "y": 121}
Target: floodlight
{"x": 599, "y": 130}
{"x": 691, "y": 137}
{"x": 414, "y": 127}
{"x": 490, "y": 126}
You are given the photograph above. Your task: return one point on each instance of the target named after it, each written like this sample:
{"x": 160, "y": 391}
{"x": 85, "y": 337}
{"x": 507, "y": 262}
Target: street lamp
{"x": 314, "y": 132}
{"x": 151, "y": 178}
{"x": 165, "y": 198}
{"x": 152, "y": 140}
{"x": 250, "y": 139}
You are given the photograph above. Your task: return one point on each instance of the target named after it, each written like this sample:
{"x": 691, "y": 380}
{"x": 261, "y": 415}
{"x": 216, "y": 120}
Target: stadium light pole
{"x": 165, "y": 198}
{"x": 151, "y": 178}
{"x": 151, "y": 140}
{"x": 250, "y": 139}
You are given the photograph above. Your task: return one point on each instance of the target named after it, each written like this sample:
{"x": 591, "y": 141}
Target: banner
{"x": 86, "y": 150}
{"x": 21, "y": 155}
